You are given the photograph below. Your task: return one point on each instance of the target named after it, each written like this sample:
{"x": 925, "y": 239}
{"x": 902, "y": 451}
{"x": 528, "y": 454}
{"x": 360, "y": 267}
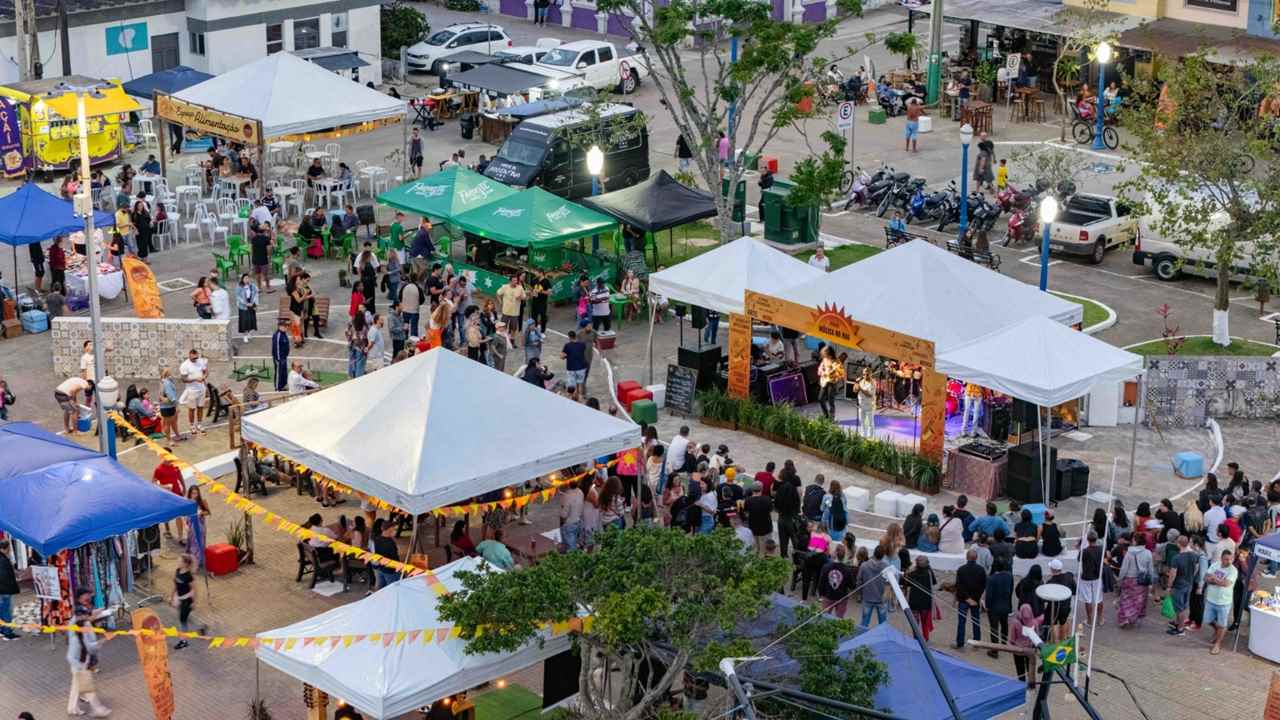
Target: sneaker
{"x": 7, "y": 638}
{"x": 1176, "y": 632}
{"x": 181, "y": 644}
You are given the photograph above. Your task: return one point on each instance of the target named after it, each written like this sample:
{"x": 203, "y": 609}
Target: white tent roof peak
{"x": 388, "y": 680}
{"x": 1040, "y": 361}
{"x": 717, "y": 279}
{"x": 436, "y": 429}
{"x": 290, "y": 95}
{"x": 923, "y": 291}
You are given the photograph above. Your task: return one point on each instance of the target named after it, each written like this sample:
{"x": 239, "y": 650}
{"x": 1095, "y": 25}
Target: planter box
{"x": 719, "y": 423}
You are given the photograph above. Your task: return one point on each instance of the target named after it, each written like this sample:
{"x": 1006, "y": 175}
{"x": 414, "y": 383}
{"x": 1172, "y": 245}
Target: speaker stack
{"x": 1025, "y": 475}
{"x": 705, "y": 360}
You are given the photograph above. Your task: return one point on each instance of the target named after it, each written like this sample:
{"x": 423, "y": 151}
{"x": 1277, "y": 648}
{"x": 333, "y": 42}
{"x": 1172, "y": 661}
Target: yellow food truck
{"x": 50, "y": 138}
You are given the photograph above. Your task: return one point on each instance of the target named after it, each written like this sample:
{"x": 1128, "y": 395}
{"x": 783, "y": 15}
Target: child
{"x": 1002, "y": 174}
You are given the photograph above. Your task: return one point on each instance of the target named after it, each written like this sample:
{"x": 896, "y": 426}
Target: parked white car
{"x": 597, "y": 64}
{"x": 1089, "y": 225}
{"x": 484, "y": 38}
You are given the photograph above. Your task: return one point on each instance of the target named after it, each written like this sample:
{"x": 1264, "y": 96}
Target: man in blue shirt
{"x": 151, "y": 166}
{"x": 280, "y": 353}
{"x": 989, "y": 523}
{"x": 575, "y": 365}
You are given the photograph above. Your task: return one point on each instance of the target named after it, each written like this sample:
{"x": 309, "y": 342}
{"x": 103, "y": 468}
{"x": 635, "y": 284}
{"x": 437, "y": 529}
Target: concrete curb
{"x": 1098, "y": 327}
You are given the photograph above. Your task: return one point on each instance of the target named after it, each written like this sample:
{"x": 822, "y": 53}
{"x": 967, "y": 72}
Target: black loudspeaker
{"x": 148, "y": 539}
{"x": 998, "y": 422}
{"x": 1074, "y": 476}
{"x": 698, "y": 317}
{"x": 1024, "y": 474}
{"x": 680, "y": 309}
{"x": 706, "y": 361}
{"x": 365, "y": 214}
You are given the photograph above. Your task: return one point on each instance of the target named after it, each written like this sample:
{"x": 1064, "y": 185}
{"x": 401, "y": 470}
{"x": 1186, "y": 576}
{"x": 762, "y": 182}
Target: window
{"x": 275, "y": 38}
{"x": 496, "y": 37}
{"x": 306, "y": 34}
{"x": 606, "y": 54}
{"x": 339, "y": 30}
{"x": 197, "y": 43}
{"x": 587, "y": 58}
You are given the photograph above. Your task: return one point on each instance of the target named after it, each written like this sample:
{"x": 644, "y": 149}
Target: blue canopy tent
{"x": 31, "y": 214}
{"x": 912, "y": 691}
{"x": 59, "y": 495}
{"x": 166, "y": 81}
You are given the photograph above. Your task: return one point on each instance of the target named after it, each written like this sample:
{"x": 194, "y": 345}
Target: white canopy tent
{"x": 389, "y": 680}
{"x": 290, "y": 95}
{"x": 1040, "y": 361}
{"x": 923, "y": 291}
{"x": 436, "y": 429}
{"x": 718, "y": 279}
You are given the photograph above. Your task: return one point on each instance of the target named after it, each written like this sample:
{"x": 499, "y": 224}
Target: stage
{"x": 893, "y": 425}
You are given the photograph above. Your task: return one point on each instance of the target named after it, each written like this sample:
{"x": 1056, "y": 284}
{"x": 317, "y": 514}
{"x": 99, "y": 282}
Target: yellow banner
{"x": 154, "y": 656}
{"x": 208, "y": 120}
{"x": 143, "y": 291}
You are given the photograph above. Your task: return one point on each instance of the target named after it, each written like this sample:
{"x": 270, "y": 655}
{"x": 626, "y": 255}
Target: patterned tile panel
{"x": 137, "y": 348}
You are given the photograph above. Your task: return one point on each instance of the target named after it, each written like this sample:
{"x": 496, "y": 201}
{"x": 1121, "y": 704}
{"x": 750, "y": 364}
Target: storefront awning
{"x": 113, "y": 101}
{"x": 1177, "y": 38}
{"x": 339, "y": 62}
{"x": 1039, "y": 16}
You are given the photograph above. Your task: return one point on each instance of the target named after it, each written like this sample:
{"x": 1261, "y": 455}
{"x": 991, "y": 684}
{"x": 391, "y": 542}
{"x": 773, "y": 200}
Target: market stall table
{"x": 1264, "y": 630}
{"x": 110, "y": 282}
{"x": 975, "y": 476}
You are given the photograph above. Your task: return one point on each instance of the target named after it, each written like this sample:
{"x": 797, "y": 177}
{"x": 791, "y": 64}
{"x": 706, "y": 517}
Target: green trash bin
{"x": 739, "y": 198}
{"x": 781, "y": 222}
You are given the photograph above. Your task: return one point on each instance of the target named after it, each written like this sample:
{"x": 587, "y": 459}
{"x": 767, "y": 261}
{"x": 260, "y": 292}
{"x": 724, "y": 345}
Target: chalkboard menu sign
{"x": 634, "y": 261}
{"x": 682, "y": 382}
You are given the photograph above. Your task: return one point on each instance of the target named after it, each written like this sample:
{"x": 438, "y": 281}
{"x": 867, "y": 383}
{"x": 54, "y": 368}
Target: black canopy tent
{"x": 657, "y": 204}
{"x": 500, "y": 79}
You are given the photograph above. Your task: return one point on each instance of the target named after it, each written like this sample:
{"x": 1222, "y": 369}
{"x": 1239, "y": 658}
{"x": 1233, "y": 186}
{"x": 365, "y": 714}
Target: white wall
{"x": 89, "y": 50}
{"x": 364, "y": 35}
{"x": 217, "y": 9}
{"x": 229, "y": 49}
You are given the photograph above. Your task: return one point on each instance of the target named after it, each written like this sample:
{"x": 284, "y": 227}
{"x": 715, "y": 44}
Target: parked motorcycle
{"x": 900, "y": 194}
{"x": 953, "y": 209}
{"x": 860, "y": 182}
{"x": 983, "y": 219}
{"x": 880, "y": 194}
{"x": 1023, "y": 226}
{"x": 926, "y": 206}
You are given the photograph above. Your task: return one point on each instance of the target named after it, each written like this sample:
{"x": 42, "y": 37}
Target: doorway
{"x": 164, "y": 52}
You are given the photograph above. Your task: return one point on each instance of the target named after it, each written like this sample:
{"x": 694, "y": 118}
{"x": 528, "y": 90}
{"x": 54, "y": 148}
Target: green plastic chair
{"x": 237, "y": 250}
{"x": 224, "y": 266}
{"x": 277, "y": 261}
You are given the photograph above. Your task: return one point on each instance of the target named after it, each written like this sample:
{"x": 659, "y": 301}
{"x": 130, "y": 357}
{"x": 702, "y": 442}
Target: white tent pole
{"x": 1137, "y": 417}
{"x": 653, "y": 313}
{"x": 1093, "y": 621}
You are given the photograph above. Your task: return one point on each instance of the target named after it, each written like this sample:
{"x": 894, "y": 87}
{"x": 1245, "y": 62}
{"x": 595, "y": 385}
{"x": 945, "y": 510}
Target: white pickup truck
{"x": 593, "y": 63}
{"x": 1089, "y": 225}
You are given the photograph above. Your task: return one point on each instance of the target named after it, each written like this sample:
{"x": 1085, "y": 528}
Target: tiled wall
{"x": 1183, "y": 392}
{"x": 136, "y": 348}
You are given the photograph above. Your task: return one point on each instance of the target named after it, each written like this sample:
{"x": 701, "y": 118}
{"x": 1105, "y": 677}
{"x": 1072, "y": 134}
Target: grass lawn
{"x": 1093, "y": 312}
{"x": 683, "y": 242}
{"x": 509, "y": 702}
{"x": 844, "y": 255}
{"x": 1201, "y": 346}
{"x": 329, "y": 379}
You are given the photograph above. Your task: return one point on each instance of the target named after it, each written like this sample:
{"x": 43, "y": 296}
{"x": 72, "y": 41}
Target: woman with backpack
{"x": 834, "y": 515}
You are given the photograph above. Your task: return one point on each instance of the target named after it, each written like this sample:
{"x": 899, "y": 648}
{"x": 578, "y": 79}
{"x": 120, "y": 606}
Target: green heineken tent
{"x": 446, "y": 194}
{"x": 534, "y": 218}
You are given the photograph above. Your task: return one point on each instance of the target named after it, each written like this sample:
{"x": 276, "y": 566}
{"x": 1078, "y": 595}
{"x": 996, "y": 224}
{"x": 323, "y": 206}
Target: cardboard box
{"x": 11, "y": 328}
{"x": 10, "y": 310}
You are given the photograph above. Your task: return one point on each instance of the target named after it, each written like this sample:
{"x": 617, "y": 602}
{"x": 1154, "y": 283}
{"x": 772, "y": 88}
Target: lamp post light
{"x": 1103, "y": 55}
{"x": 1048, "y": 213}
{"x": 83, "y": 203}
{"x": 595, "y": 166}
{"x": 966, "y": 136}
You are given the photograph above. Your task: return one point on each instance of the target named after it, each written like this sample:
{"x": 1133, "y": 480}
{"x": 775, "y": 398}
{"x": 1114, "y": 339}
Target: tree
{"x": 653, "y": 594}
{"x": 1198, "y": 185}
{"x": 904, "y": 43}
{"x": 402, "y": 26}
{"x": 1081, "y": 30}
{"x": 776, "y": 69}
{"x": 1052, "y": 167}
{"x": 812, "y": 643}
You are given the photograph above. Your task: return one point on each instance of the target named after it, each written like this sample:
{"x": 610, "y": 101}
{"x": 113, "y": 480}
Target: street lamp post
{"x": 1048, "y": 213}
{"x": 966, "y": 136}
{"x": 83, "y": 203}
{"x": 1103, "y": 56}
{"x": 595, "y": 166}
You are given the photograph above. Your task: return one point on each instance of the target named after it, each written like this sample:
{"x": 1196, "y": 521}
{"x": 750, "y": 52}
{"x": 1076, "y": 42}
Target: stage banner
{"x": 143, "y": 290}
{"x": 207, "y": 120}
{"x": 154, "y": 656}
{"x": 739, "y": 355}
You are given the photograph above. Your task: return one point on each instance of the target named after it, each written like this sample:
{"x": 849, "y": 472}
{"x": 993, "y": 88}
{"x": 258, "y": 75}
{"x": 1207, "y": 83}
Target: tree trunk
{"x": 1222, "y": 302}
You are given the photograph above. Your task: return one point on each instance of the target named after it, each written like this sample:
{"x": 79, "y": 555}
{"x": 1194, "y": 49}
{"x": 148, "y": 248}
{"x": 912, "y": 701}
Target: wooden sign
{"x": 739, "y": 355}
{"x": 207, "y": 120}
{"x": 143, "y": 291}
{"x": 682, "y": 384}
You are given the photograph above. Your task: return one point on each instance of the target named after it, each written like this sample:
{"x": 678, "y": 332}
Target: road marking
{"x": 1122, "y": 275}
{"x": 1272, "y": 317}
{"x": 1035, "y": 261}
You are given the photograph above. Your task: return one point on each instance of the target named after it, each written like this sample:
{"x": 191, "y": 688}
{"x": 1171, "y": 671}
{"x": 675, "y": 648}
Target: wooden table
{"x": 1026, "y": 94}
{"x": 495, "y": 128}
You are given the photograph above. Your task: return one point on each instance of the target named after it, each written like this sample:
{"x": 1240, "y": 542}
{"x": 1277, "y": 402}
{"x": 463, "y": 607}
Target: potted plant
{"x": 236, "y": 538}
{"x": 984, "y": 78}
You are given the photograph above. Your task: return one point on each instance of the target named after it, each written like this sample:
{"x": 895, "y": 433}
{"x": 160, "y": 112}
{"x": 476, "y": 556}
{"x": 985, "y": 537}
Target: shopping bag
{"x": 1166, "y": 608}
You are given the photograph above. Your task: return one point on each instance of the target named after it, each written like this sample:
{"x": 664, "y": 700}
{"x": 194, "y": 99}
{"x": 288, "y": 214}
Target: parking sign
{"x": 844, "y": 116}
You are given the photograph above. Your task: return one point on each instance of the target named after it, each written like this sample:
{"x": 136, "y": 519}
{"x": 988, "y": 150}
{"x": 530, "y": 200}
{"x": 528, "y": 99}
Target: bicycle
{"x": 1084, "y": 130}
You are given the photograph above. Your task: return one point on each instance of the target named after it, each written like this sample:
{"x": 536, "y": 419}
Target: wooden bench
{"x": 322, "y": 308}
{"x": 892, "y": 238}
{"x": 989, "y": 259}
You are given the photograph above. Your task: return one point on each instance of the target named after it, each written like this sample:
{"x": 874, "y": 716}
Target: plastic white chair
{"x": 379, "y": 182}
{"x": 147, "y": 129}
{"x": 200, "y": 218}
{"x": 164, "y": 235}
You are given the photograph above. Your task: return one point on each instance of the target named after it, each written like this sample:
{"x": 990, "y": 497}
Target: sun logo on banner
{"x": 835, "y": 323}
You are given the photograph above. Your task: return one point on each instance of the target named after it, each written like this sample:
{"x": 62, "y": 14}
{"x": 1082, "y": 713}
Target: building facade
{"x": 129, "y": 39}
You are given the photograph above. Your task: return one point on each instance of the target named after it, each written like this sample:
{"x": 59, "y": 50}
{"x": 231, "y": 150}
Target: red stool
{"x": 625, "y": 386}
{"x": 771, "y": 163}
{"x": 221, "y": 559}
{"x": 634, "y": 394}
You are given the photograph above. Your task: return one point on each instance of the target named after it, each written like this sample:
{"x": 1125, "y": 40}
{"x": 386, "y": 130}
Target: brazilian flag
{"x": 1058, "y": 655}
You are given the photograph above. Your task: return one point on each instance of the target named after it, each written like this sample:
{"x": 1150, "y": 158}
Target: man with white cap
{"x": 1062, "y": 610}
